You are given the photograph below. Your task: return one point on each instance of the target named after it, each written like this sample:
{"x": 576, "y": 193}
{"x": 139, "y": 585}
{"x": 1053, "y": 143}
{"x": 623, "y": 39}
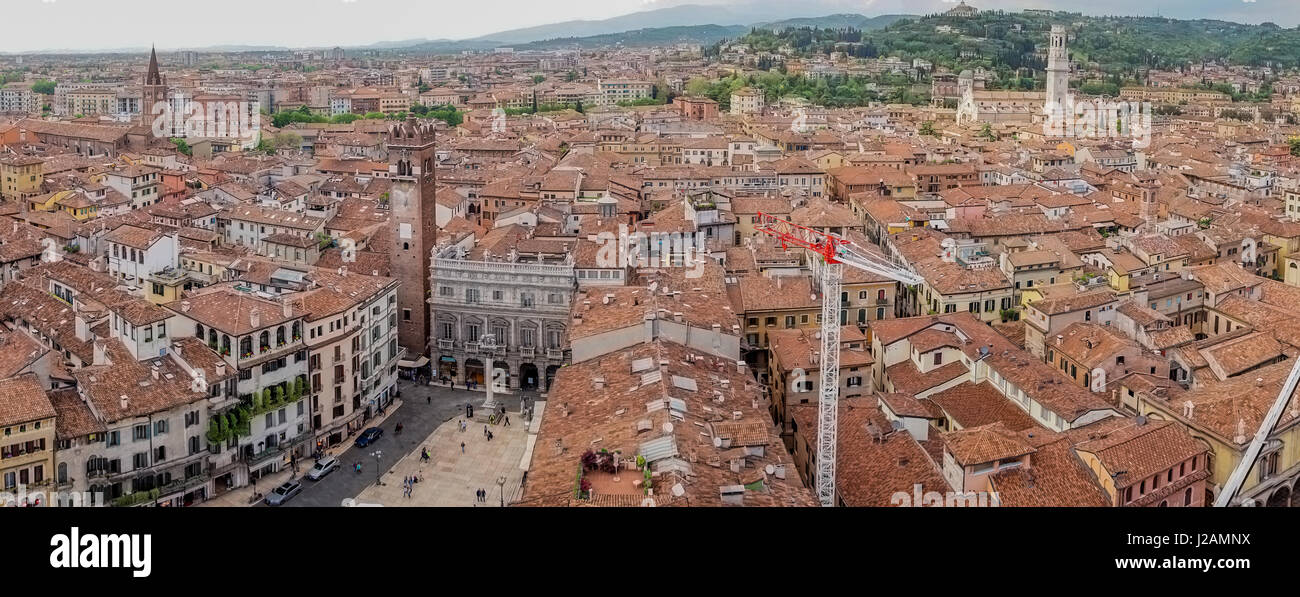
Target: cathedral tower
{"x": 411, "y": 201}
{"x": 1058, "y": 72}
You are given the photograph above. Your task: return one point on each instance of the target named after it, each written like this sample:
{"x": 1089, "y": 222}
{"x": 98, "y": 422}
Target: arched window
{"x": 1187, "y": 497}
{"x": 198, "y": 331}
{"x": 246, "y": 346}
{"x": 297, "y": 330}
{"x": 279, "y": 336}
{"x": 225, "y": 345}
{"x": 212, "y": 337}
{"x": 63, "y": 472}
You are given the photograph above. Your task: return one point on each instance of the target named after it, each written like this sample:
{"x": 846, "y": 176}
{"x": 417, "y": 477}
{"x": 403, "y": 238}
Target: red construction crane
{"x": 835, "y": 252}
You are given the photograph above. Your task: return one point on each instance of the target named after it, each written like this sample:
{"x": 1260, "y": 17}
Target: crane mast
{"x": 835, "y": 253}
{"x": 1238, "y": 477}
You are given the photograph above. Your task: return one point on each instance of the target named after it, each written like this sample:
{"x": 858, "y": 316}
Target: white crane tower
{"x": 835, "y": 253}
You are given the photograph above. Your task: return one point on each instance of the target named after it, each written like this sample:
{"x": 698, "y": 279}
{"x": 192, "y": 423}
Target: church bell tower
{"x": 411, "y": 162}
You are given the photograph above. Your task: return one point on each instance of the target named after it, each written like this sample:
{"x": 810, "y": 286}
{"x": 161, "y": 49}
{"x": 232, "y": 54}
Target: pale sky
{"x": 172, "y": 24}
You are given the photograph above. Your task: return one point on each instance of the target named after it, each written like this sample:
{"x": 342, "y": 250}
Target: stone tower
{"x": 153, "y": 91}
{"x": 411, "y": 201}
{"x": 1058, "y": 72}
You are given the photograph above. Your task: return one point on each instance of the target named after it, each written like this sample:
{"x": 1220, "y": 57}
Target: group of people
{"x": 480, "y": 496}
{"x": 408, "y": 484}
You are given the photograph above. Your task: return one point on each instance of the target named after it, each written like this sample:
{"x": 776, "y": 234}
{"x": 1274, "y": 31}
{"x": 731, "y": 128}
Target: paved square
{"x": 451, "y": 478}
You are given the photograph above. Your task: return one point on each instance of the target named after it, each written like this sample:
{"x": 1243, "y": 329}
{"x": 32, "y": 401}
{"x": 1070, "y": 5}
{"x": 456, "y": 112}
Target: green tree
{"x": 182, "y": 146}
{"x": 1294, "y": 142}
{"x": 927, "y": 128}
{"x": 44, "y": 86}
{"x": 287, "y": 140}
{"x": 538, "y": 79}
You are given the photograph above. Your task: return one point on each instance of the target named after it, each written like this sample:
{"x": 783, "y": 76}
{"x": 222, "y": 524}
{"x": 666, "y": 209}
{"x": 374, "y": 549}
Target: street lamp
{"x": 378, "y": 454}
{"x": 501, "y": 482}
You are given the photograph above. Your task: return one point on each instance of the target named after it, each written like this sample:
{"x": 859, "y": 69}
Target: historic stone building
{"x": 411, "y": 170}
{"x": 154, "y": 90}
{"x": 524, "y": 306}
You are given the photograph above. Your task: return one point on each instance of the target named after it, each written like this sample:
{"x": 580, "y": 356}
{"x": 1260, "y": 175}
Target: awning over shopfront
{"x": 413, "y": 364}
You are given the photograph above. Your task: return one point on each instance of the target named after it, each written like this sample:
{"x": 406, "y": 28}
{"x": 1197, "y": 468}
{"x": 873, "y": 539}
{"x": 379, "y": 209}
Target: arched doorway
{"x": 474, "y": 371}
{"x": 1280, "y": 498}
{"x": 529, "y": 377}
{"x": 550, "y": 375}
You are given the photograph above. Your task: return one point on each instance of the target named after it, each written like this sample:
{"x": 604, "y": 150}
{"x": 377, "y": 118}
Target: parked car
{"x": 283, "y": 493}
{"x": 368, "y": 437}
{"x": 323, "y": 467}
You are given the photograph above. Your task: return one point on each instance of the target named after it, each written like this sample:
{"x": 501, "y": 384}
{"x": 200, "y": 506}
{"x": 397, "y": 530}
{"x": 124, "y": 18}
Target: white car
{"x": 323, "y": 467}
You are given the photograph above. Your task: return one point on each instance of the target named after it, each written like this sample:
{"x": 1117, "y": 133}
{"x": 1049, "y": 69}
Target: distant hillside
{"x": 747, "y": 12}
{"x": 1011, "y": 40}
{"x": 838, "y": 21}
{"x": 659, "y": 36}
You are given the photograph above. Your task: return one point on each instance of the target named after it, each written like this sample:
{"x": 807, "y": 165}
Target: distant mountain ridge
{"x": 838, "y": 21}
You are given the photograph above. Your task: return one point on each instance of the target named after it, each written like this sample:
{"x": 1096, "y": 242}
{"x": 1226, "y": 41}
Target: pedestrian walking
{"x": 485, "y": 431}
{"x": 507, "y": 421}
{"x": 462, "y": 447}
{"x": 429, "y": 399}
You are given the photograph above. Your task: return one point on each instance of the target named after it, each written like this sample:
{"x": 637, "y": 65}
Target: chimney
{"x": 255, "y": 318}
{"x": 740, "y": 367}
{"x": 663, "y": 366}
{"x": 609, "y": 298}
{"x": 221, "y": 369}
{"x": 650, "y": 327}
{"x": 287, "y": 308}
{"x": 83, "y": 330}
{"x": 599, "y": 382}
{"x": 124, "y": 402}
{"x": 185, "y": 306}
{"x": 1059, "y": 339}
{"x": 154, "y": 372}
{"x": 1189, "y": 410}
{"x": 101, "y": 357}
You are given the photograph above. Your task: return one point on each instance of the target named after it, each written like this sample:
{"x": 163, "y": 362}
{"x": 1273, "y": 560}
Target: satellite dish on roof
{"x": 678, "y": 490}
{"x": 717, "y": 442}
{"x": 668, "y": 427}
{"x": 771, "y": 470}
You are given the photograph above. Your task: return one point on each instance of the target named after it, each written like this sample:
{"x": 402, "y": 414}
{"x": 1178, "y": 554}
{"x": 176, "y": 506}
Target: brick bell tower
{"x": 153, "y": 91}
{"x": 411, "y": 202}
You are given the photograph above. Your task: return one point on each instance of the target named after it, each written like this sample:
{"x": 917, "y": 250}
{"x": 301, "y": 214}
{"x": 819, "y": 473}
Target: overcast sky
{"x": 172, "y": 24}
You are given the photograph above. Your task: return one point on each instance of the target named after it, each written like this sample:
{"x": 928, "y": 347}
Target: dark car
{"x": 283, "y": 493}
{"x": 368, "y": 437}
